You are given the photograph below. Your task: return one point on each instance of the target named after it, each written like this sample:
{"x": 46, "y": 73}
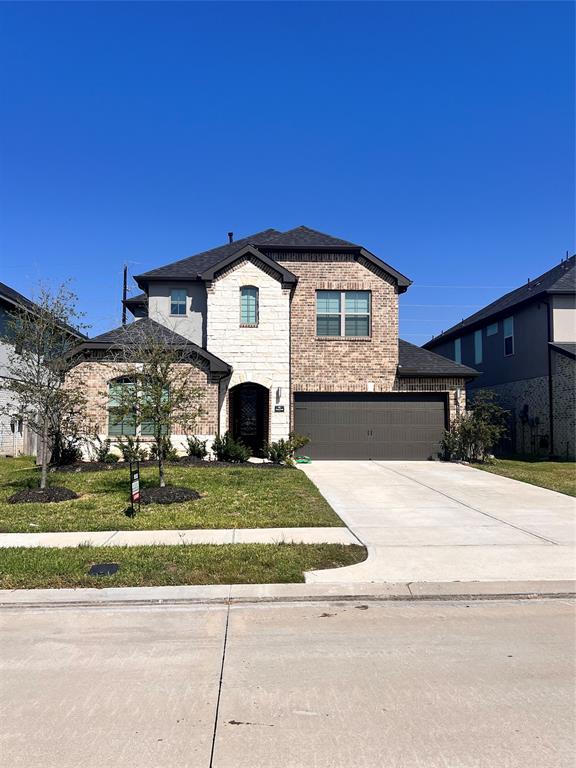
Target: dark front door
{"x": 249, "y": 415}
{"x": 392, "y": 426}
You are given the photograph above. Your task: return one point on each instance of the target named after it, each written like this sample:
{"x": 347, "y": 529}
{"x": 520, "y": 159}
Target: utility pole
{"x": 124, "y": 293}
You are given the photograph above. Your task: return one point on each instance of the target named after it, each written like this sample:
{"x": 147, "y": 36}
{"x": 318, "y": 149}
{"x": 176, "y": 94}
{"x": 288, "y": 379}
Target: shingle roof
{"x": 415, "y": 361}
{"x": 567, "y": 347}
{"x": 197, "y": 266}
{"x": 126, "y": 334}
{"x": 18, "y": 300}
{"x": 559, "y": 279}
{"x": 192, "y": 266}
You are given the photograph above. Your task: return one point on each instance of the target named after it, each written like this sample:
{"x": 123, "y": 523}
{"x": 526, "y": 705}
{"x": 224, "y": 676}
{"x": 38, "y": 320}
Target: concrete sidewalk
{"x": 193, "y": 536}
{"x": 279, "y": 593}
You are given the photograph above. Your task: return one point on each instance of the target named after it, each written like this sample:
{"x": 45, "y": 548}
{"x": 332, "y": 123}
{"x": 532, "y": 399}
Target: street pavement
{"x": 333, "y": 684}
{"x": 435, "y": 521}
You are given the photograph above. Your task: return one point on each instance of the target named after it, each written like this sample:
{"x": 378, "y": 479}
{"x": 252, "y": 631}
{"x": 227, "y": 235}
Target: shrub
{"x": 282, "y": 451}
{"x": 66, "y": 450}
{"x": 196, "y": 448}
{"x": 474, "y": 434}
{"x": 110, "y": 458}
{"x": 101, "y": 448}
{"x": 169, "y": 453}
{"x": 228, "y": 449}
{"x": 131, "y": 449}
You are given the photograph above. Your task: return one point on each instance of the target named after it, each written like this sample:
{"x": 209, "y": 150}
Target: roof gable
{"x": 203, "y": 266}
{"x": 124, "y": 334}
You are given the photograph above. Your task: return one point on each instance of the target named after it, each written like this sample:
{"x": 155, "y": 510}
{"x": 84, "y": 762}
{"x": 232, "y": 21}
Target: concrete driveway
{"x": 431, "y": 521}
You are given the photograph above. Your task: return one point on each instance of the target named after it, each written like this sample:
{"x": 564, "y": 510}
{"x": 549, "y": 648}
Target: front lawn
{"x": 232, "y": 497}
{"x": 171, "y": 565}
{"x": 555, "y": 475}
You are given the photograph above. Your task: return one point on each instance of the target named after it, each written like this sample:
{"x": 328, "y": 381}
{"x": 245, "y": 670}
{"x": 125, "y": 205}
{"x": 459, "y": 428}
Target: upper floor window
{"x": 178, "y": 301}
{"x": 458, "y": 350}
{"x": 478, "y": 346}
{"x": 248, "y": 305}
{"x": 508, "y": 336}
{"x": 492, "y": 329}
{"x": 343, "y": 313}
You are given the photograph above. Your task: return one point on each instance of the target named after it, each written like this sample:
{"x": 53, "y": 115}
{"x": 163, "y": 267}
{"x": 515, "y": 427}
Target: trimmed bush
{"x": 228, "y": 449}
{"x": 196, "y": 448}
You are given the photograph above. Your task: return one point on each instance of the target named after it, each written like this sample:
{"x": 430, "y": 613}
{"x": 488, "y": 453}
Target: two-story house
{"x": 524, "y": 346}
{"x": 15, "y": 437}
{"x": 298, "y": 331}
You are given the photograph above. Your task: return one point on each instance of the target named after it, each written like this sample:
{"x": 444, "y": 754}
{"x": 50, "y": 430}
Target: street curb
{"x": 242, "y": 594}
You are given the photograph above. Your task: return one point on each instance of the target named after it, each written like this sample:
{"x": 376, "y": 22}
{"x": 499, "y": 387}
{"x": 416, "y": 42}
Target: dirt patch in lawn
{"x": 42, "y": 496}
{"x": 168, "y": 495}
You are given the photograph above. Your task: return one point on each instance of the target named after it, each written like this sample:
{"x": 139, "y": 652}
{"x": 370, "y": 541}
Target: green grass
{"x": 22, "y": 568}
{"x": 555, "y": 475}
{"x": 232, "y": 497}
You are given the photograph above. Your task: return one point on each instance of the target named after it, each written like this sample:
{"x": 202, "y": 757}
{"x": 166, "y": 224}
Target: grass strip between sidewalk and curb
{"x": 146, "y": 566}
{"x": 231, "y": 497}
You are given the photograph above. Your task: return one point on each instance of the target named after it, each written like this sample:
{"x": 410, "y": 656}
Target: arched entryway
{"x": 248, "y": 409}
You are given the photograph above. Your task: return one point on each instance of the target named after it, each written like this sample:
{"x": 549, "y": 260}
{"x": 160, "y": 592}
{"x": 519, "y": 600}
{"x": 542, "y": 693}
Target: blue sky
{"x": 439, "y": 135}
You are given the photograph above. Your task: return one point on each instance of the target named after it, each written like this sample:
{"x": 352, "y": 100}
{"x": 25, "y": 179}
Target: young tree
{"x": 158, "y": 389}
{"x": 41, "y": 336}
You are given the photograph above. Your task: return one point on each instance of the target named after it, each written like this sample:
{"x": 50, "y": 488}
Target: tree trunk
{"x": 160, "y": 461}
{"x": 44, "y": 471}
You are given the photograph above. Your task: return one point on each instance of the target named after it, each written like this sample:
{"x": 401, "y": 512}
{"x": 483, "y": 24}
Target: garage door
{"x": 375, "y": 426}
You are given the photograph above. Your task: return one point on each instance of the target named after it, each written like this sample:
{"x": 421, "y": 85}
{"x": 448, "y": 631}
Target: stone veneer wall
{"x": 328, "y": 364}
{"x": 93, "y": 379}
{"x": 534, "y": 393}
{"x": 564, "y": 405}
{"x": 258, "y": 354}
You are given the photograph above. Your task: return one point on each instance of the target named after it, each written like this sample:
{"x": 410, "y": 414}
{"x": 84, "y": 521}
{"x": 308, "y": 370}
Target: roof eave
{"x": 249, "y": 250}
{"x": 404, "y": 373}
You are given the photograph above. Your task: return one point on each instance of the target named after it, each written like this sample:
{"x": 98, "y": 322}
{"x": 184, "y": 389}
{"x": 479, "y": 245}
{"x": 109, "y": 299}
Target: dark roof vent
{"x": 230, "y": 237}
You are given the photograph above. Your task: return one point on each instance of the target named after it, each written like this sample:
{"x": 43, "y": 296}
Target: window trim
{"x": 509, "y": 335}
{"x": 343, "y": 314}
{"x": 478, "y": 350}
{"x": 458, "y": 350}
{"x": 257, "y": 291}
{"x": 179, "y": 302}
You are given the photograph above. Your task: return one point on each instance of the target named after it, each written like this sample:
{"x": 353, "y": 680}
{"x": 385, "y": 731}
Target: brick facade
{"x": 454, "y": 389}
{"x": 335, "y": 364}
{"x": 564, "y": 405}
{"x": 93, "y": 378}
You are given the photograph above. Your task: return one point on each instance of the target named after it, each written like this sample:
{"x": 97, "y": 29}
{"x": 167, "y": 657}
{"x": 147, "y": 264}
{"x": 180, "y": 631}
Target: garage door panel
{"x": 379, "y": 426}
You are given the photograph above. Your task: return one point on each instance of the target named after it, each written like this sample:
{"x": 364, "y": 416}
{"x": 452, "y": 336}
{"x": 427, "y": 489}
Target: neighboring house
{"x": 292, "y": 330}
{"x": 524, "y": 345}
{"x": 15, "y": 438}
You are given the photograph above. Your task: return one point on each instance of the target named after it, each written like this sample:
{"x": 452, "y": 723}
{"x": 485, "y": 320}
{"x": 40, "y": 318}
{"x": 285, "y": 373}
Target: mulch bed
{"x": 42, "y": 496}
{"x": 170, "y": 494}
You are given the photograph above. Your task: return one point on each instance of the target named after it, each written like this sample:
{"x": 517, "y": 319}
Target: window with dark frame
{"x": 249, "y": 306}
{"x": 178, "y": 301}
{"x": 122, "y": 424}
{"x": 343, "y": 313}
